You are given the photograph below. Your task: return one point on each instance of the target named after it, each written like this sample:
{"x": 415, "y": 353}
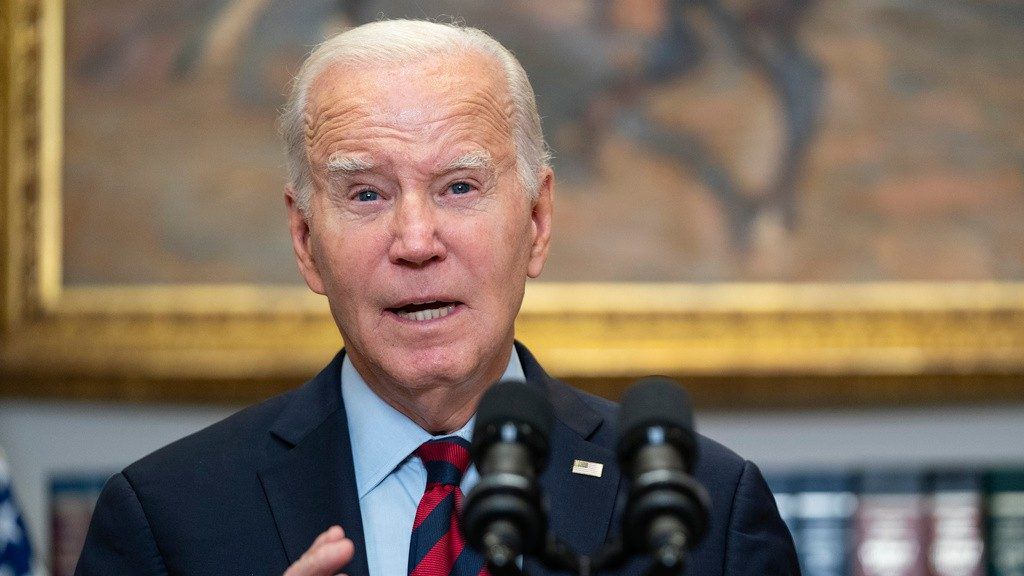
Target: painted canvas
{"x": 694, "y": 140}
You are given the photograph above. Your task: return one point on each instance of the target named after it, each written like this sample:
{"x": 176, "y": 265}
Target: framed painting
{"x": 779, "y": 202}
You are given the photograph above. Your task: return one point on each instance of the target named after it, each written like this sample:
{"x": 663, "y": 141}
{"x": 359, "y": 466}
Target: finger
{"x": 324, "y": 559}
{"x": 332, "y": 533}
{"x": 313, "y": 558}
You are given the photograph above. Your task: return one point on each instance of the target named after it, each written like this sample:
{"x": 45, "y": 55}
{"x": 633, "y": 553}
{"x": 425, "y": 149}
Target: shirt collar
{"x": 382, "y": 437}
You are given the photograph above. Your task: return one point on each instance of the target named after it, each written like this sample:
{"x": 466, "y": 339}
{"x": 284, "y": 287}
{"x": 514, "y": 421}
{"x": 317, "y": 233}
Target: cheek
{"x": 337, "y": 258}
{"x": 500, "y": 249}
{"x": 518, "y": 236}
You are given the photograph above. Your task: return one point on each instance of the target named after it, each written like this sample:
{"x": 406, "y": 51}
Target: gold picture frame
{"x": 736, "y": 344}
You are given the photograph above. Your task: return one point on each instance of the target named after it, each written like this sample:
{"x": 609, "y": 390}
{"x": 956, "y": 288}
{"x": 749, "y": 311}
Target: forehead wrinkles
{"x": 326, "y": 123}
{"x": 462, "y": 101}
{"x": 482, "y": 109}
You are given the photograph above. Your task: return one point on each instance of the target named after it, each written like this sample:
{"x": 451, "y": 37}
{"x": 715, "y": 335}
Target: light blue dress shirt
{"x": 389, "y": 479}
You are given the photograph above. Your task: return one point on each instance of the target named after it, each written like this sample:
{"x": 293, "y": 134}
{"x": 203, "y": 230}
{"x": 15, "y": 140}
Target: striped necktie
{"x": 436, "y": 547}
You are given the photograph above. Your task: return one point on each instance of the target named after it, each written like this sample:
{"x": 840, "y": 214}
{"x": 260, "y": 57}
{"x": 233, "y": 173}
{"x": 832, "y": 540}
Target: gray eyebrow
{"x": 473, "y": 160}
{"x": 478, "y": 159}
{"x": 348, "y": 164}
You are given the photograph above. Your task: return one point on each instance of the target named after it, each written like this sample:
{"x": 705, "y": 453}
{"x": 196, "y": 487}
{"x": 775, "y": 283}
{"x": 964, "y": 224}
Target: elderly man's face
{"x": 419, "y": 232}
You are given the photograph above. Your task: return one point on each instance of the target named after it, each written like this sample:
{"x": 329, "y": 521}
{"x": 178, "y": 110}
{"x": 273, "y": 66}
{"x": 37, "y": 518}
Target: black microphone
{"x": 666, "y": 510}
{"x": 504, "y": 515}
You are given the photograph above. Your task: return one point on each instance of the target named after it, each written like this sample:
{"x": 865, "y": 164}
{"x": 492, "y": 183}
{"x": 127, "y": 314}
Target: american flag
{"x": 15, "y": 551}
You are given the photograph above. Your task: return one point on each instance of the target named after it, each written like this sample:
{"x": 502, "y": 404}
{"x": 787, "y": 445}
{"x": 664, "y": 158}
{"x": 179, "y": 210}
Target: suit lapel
{"x": 581, "y": 506}
{"x": 312, "y": 485}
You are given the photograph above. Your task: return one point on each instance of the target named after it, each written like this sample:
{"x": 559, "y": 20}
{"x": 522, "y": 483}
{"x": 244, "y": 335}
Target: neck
{"x": 437, "y": 407}
{"x": 437, "y": 411}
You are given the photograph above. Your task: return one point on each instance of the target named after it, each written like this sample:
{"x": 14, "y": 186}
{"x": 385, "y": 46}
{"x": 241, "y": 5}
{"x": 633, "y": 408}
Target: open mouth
{"x": 425, "y": 311}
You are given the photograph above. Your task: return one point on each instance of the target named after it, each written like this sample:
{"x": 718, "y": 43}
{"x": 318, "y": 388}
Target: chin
{"x": 425, "y": 368}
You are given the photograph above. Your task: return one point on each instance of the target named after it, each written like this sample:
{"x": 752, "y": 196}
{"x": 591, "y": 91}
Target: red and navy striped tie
{"x": 437, "y": 547}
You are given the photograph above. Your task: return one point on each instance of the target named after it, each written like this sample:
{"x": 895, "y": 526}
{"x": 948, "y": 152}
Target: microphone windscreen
{"x": 513, "y": 401}
{"x": 656, "y": 401}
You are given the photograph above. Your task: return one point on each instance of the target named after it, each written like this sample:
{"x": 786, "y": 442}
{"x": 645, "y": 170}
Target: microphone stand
{"x": 558, "y": 556}
{"x": 614, "y": 554}
{"x": 555, "y": 554}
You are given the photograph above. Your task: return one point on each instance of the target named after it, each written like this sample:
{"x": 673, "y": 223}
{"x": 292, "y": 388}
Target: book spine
{"x": 956, "y": 514}
{"x": 784, "y": 488}
{"x": 1005, "y": 490}
{"x": 825, "y": 504}
{"x": 891, "y": 526}
{"x": 72, "y": 499}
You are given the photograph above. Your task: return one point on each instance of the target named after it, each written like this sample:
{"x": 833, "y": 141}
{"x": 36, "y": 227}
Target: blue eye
{"x": 367, "y": 196}
{"x": 460, "y": 188}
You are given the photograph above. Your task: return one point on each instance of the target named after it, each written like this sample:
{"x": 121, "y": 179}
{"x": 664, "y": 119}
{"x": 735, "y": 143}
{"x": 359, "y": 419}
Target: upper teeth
{"x": 428, "y": 314}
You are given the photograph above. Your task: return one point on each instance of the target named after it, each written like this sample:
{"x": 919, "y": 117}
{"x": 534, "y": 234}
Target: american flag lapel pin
{"x": 585, "y": 468}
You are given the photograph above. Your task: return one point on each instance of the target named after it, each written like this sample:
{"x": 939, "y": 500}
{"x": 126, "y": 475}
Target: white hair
{"x": 398, "y": 42}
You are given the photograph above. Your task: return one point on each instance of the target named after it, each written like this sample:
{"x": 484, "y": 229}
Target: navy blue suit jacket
{"x": 249, "y": 494}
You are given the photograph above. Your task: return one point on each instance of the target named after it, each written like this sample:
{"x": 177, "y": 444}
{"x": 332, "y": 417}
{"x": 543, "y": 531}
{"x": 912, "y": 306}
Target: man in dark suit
{"x": 419, "y": 203}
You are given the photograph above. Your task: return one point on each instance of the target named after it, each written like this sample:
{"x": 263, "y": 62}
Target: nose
{"x": 416, "y": 239}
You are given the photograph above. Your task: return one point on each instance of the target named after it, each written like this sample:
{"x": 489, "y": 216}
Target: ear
{"x": 302, "y": 243}
{"x": 541, "y": 223}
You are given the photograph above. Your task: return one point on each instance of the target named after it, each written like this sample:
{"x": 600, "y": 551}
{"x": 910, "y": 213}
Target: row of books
{"x": 867, "y": 523}
{"x": 905, "y": 522}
